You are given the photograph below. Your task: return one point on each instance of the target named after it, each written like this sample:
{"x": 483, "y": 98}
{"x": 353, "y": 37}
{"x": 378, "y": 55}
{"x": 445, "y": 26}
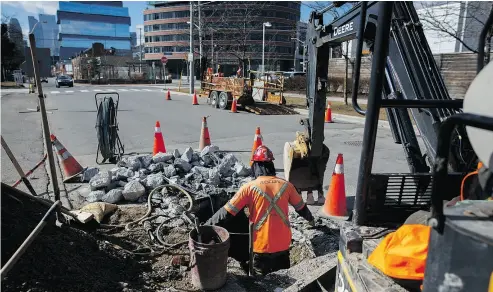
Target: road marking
{"x": 84, "y": 91}
{"x": 96, "y": 90}
{"x": 54, "y": 91}
{"x": 69, "y": 91}
{"x": 147, "y": 89}
{"x": 122, "y": 89}
{"x": 133, "y": 89}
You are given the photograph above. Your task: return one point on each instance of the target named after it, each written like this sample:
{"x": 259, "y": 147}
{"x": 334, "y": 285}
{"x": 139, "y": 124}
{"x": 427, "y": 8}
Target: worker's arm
{"x": 300, "y": 207}
{"x": 233, "y": 207}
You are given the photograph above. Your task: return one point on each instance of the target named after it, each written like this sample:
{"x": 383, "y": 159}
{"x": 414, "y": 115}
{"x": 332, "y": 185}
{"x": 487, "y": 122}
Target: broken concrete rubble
{"x": 176, "y": 153}
{"x": 209, "y": 149}
{"x": 133, "y": 191}
{"x": 155, "y": 167}
{"x": 121, "y": 173}
{"x": 154, "y": 180}
{"x": 182, "y": 165}
{"x": 162, "y": 157}
{"x": 89, "y": 173}
{"x": 241, "y": 169}
{"x": 187, "y": 155}
{"x": 113, "y": 196}
{"x": 100, "y": 181}
{"x": 145, "y": 160}
{"x": 169, "y": 171}
{"x": 95, "y": 196}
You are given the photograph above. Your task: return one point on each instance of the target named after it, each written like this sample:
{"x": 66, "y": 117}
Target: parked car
{"x": 63, "y": 80}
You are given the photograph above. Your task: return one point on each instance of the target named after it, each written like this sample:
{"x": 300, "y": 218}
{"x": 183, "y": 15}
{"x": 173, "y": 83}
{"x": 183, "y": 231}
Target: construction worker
{"x": 267, "y": 199}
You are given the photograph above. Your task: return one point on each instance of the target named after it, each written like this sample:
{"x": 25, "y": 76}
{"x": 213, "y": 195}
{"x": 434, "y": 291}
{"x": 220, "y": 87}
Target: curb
{"x": 348, "y": 119}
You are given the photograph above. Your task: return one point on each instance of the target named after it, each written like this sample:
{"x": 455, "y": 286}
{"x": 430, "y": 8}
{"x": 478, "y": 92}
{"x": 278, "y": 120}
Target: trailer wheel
{"x": 214, "y": 99}
{"x": 223, "y": 100}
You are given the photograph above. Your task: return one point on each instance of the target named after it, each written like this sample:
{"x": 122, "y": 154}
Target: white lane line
{"x": 133, "y": 89}
{"x": 147, "y": 89}
{"x": 121, "y": 89}
{"x": 84, "y": 91}
{"x": 69, "y": 91}
{"x": 55, "y": 92}
{"x": 96, "y": 90}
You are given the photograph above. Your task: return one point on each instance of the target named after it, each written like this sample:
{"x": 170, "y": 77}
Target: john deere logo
{"x": 343, "y": 29}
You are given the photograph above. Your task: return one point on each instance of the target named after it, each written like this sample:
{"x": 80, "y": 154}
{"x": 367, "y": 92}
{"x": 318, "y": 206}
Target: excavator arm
{"x": 412, "y": 81}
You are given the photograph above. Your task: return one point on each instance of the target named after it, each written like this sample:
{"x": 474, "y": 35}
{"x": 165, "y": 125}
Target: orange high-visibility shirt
{"x": 272, "y": 232}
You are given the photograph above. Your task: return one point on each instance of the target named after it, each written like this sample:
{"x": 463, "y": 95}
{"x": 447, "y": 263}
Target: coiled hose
{"x": 146, "y": 217}
{"x": 106, "y": 128}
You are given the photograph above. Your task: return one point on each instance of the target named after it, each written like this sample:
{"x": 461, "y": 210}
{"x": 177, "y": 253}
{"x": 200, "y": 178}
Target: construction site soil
{"x": 114, "y": 259}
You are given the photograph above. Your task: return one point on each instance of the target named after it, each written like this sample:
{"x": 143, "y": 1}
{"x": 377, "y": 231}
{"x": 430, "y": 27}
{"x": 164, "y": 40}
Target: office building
{"x": 82, "y": 23}
{"x": 232, "y": 30}
{"x": 45, "y": 32}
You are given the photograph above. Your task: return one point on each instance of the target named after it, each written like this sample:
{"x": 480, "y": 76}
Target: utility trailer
{"x": 250, "y": 93}
{"x": 406, "y": 82}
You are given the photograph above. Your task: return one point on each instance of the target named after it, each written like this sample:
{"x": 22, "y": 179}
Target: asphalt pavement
{"x": 73, "y": 119}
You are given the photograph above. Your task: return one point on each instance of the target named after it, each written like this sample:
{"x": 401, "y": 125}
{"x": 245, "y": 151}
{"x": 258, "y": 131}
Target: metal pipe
{"x": 481, "y": 41}
{"x": 263, "y": 48}
{"x": 200, "y": 43}
{"x": 442, "y": 155}
{"x": 250, "y": 250}
{"x": 27, "y": 242}
{"x": 357, "y": 61}
{"x": 372, "y": 112}
{"x": 44, "y": 119}
{"x": 18, "y": 167}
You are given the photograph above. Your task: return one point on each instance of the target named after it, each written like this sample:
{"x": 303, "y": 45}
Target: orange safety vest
{"x": 268, "y": 199}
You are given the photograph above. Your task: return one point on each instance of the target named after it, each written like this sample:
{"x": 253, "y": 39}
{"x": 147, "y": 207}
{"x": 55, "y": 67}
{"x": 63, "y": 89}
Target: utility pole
{"x": 190, "y": 56}
{"x": 44, "y": 119}
{"x": 200, "y": 41}
{"x": 212, "y": 45}
{"x": 140, "y": 37}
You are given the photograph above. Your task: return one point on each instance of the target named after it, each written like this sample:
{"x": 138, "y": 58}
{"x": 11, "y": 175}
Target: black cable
{"x": 106, "y": 128}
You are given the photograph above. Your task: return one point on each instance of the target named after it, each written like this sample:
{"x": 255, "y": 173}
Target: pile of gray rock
{"x": 206, "y": 172}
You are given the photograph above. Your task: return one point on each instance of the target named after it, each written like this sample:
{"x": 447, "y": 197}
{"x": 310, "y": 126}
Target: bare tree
{"x": 462, "y": 20}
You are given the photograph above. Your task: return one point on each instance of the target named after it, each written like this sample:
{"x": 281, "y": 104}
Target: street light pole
{"x": 212, "y": 44}
{"x": 140, "y": 37}
{"x": 264, "y": 25}
{"x": 304, "y": 51}
{"x": 190, "y": 56}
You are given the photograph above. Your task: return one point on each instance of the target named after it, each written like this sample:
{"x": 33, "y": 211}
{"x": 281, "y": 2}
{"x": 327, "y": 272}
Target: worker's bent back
{"x": 267, "y": 199}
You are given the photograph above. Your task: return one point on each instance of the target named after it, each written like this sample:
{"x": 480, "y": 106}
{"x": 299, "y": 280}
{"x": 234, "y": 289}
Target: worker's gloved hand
{"x": 311, "y": 223}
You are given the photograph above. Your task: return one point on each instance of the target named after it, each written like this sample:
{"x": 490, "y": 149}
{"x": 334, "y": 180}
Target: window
{"x": 182, "y": 37}
{"x": 87, "y": 8}
{"x": 146, "y": 39}
{"x": 147, "y": 28}
{"x": 155, "y": 27}
{"x": 87, "y": 43}
{"x": 157, "y": 49}
{"x": 94, "y": 28}
{"x": 181, "y": 14}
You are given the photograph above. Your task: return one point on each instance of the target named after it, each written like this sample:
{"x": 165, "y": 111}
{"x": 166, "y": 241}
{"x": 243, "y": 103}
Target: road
{"x": 73, "y": 122}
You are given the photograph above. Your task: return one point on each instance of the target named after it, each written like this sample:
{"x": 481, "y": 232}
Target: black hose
{"x": 106, "y": 128}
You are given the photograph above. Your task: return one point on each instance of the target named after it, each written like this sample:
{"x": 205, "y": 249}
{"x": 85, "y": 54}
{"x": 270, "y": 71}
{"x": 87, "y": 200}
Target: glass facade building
{"x": 83, "y": 23}
{"x": 46, "y": 32}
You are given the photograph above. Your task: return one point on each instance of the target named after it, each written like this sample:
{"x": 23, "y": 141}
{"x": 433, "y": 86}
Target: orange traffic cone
{"x": 328, "y": 114}
{"x": 168, "y": 96}
{"x": 205, "y": 138}
{"x": 194, "y": 100}
{"x": 257, "y": 141}
{"x": 233, "y": 106}
{"x": 158, "y": 140}
{"x": 335, "y": 201}
{"x": 71, "y": 168}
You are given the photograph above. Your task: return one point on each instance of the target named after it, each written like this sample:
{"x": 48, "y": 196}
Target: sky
{"x": 22, "y": 9}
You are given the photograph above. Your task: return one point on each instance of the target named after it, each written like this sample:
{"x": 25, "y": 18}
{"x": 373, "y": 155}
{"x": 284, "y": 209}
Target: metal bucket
{"x": 209, "y": 257}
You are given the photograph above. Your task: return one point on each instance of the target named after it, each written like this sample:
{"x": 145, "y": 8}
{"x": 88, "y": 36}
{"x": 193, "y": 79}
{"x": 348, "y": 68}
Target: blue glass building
{"x": 83, "y": 23}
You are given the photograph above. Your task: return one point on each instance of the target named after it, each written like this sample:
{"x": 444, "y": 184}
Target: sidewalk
{"x": 329, "y": 98}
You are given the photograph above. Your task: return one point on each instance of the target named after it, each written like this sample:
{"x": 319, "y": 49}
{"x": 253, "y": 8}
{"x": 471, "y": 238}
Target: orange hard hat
{"x": 263, "y": 154}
